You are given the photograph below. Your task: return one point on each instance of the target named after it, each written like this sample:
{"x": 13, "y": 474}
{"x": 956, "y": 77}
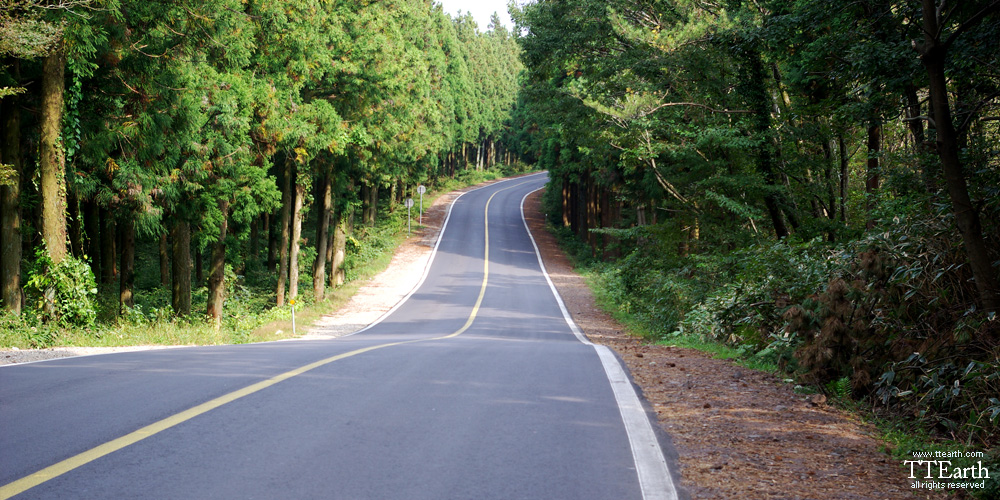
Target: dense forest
{"x": 815, "y": 183}
{"x": 210, "y": 130}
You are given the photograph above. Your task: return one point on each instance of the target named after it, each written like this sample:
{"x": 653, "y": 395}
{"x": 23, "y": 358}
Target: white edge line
{"x": 427, "y": 270}
{"x": 655, "y": 480}
{"x": 430, "y": 261}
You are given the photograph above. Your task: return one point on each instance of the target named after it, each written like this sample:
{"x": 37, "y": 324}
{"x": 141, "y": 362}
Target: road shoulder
{"x": 740, "y": 433}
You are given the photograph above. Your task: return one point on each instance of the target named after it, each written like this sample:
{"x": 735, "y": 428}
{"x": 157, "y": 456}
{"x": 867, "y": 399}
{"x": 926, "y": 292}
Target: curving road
{"x": 477, "y": 386}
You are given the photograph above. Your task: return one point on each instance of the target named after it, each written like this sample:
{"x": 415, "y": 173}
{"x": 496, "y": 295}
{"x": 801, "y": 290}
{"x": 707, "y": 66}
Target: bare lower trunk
{"x": 916, "y": 126}
{"x": 127, "y": 277}
{"x": 844, "y": 171}
{"x": 180, "y": 286}
{"x": 293, "y": 259}
{"x": 92, "y": 227}
{"x": 10, "y": 209}
{"x": 75, "y": 223}
{"x": 199, "y": 267}
{"x": 339, "y": 251}
{"x": 108, "y": 271}
{"x": 933, "y": 57}
{"x": 286, "y": 206}
{"x": 319, "y": 268}
{"x": 164, "y": 261}
{"x": 217, "y": 271}
{"x": 254, "y": 239}
{"x": 872, "y": 177}
{"x": 52, "y": 161}
{"x": 272, "y": 242}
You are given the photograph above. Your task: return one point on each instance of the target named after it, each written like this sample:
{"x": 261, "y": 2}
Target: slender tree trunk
{"x": 75, "y": 224}
{"x": 844, "y": 172}
{"x": 199, "y": 266}
{"x": 254, "y": 239}
{"x": 934, "y": 55}
{"x": 330, "y": 237}
{"x": 293, "y": 260}
{"x": 831, "y": 190}
{"x": 217, "y": 271}
{"x": 127, "y": 277}
{"x": 272, "y": 242}
{"x": 92, "y": 226}
{"x": 916, "y": 126}
{"x": 761, "y": 102}
{"x": 108, "y": 271}
{"x": 319, "y": 268}
{"x": 393, "y": 192}
{"x": 872, "y": 177}
{"x": 286, "y": 206}
{"x": 180, "y": 285}
{"x": 337, "y": 272}
{"x": 365, "y": 202}
{"x": 369, "y": 195}
{"x": 52, "y": 160}
{"x": 10, "y": 208}
{"x": 164, "y": 261}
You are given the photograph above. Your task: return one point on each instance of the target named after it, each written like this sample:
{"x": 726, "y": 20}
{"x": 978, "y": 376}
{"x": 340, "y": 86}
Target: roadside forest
{"x": 222, "y": 159}
{"x": 814, "y": 183}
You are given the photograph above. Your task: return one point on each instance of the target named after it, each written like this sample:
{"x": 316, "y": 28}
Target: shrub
{"x": 62, "y": 293}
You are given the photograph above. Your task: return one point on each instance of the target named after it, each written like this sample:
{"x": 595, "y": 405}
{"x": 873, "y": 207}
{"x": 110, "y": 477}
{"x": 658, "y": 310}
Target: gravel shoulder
{"x": 740, "y": 433}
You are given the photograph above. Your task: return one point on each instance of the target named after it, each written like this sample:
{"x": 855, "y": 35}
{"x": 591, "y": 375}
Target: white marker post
{"x": 292, "y": 303}
{"x": 421, "y": 190}
{"x": 409, "y": 203}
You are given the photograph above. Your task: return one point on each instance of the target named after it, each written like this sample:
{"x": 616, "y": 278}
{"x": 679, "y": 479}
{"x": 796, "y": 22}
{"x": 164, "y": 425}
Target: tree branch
{"x": 972, "y": 21}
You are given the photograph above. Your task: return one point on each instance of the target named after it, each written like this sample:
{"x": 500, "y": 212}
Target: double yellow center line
{"x": 58, "y": 469}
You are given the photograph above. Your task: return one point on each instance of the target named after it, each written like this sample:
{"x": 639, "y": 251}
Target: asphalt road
{"x": 475, "y": 387}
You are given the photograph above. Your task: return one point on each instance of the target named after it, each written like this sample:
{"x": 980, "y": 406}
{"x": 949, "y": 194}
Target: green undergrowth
{"x": 249, "y": 314}
{"x": 880, "y": 324}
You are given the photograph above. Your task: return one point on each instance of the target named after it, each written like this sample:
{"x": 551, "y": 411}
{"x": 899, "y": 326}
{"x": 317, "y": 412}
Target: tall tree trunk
{"x": 844, "y": 172}
{"x": 365, "y": 197}
{"x": 254, "y": 239}
{"x": 217, "y": 271}
{"x": 180, "y": 285}
{"x": 337, "y": 272}
{"x": 164, "y": 262}
{"x": 10, "y": 208}
{"x": 322, "y": 227}
{"x": 933, "y": 55}
{"x": 52, "y": 160}
{"x": 293, "y": 259}
{"x": 369, "y": 195}
{"x": 75, "y": 223}
{"x": 272, "y": 242}
{"x": 108, "y": 271}
{"x": 761, "y": 102}
{"x": 92, "y": 226}
{"x": 392, "y": 197}
{"x": 199, "y": 266}
{"x": 831, "y": 190}
{"x": 872, "y": 173}
{"x": 127, "y": 277}
{"x": 286, "y": 206}
{"x": 916, "y": 126}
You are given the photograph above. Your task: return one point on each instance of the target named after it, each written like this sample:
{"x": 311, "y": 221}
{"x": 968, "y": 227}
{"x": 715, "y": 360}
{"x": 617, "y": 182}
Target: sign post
{"x": 409, "y": 203}
{"x": 421, "y": 190}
